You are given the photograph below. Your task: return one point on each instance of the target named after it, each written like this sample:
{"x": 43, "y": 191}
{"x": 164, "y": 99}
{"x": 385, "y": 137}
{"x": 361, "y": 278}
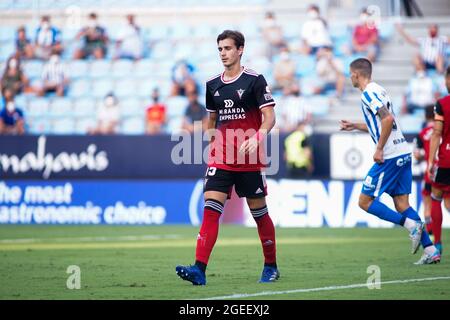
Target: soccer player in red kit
{"x": 239, "y": 103}
{"x": 440, "y": 172}
{"x": 422, "y": 152}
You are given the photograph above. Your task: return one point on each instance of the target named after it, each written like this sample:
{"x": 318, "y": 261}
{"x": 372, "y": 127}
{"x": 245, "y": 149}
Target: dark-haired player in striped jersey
{"x": 241, "y": 111}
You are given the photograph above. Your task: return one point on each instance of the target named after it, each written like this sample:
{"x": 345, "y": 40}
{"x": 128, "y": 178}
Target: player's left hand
{"x": 378, "y": 156}
{"x": 249, "y": 146}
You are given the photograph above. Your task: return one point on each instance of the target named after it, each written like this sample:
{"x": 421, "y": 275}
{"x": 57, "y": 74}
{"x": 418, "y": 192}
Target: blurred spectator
{"x": 365, "y": 39}
{"x": 95, "y": 40}
{"x": 13, "y": 77}
{"x": 54, "y": 77}
{"x": 156, "y": 114}
{"x": 284, "y": 71}
{"x": 315, "y": 32}
{"x": 24, "y": 48}
{"x": 108, "y": 116}
{"x": 421, "y": 91}
{"x": 48, "y": 40}
{"x": 272, "y": 34}
{"x": 195, "y": 115}
{"x": 129, "y": 43}
{"x": 298, "y": 153}
{"x": 11, "y": 117}
{"x": 330, "y": 72}
{"x": 183, "y": 78}
{"x": 293, "y": 110}
{"x": 432, "y": 48}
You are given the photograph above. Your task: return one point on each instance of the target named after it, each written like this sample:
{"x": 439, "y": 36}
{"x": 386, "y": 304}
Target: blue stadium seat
{"x": 145, "y": 87}
{"x": 132, "y": 107}
{"x": 386, "y": 30}
{"x": 84, "y": 107}
{"x": 174, "y": 124}
{"x": 203, "y": 31}
{"x": 122, "y": 68}
{"x": 78, "y": 69}
{"x": 33, "y": 68}
{"x": 83, "y": 125}
{"x": 133, "y": 126}
{"x": 61, "y": 107}
{"x": 158, "y": 32}
{"x": 144, "y": 68}
{"x": 162, "y": 50}
{"x": 7, "y": 49}
{"x": 38, "y": 107}
{"x": 101, "y": 88}
{"x": 38, "y": 125}
{"x": 80, "y": 88}
{"x": 125, "y": 88}
{"x": 176, "y": 106}
{"x": 8, "y": 33}
{"x": 319, "y": 105}
{"x": 180, "y": 30}
{"x": 63, "y": 126}
{"x": 100, "y": 68}
{"x": 410, "y": 123}
{"x": 306, "y": 65}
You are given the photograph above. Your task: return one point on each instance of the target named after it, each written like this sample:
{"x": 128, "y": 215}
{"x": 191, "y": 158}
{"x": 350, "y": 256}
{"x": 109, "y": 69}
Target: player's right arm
{"x": 350, "y": 126}
{"x": 435, "y": 137}
{"x": 212, "y": 115}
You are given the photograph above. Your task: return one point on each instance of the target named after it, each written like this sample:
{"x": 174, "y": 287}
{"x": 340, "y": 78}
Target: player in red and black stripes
{"x": 422, "y": 152}
{"x": 440, "y": 172}
{"x": 241, "y": 115}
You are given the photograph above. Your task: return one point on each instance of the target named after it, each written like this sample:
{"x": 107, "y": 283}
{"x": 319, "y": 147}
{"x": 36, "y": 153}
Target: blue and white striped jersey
{"x": 372, "y": 99}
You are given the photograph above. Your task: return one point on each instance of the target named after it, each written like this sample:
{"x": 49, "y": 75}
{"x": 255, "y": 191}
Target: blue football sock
{"x": 412, "y": 214}
{"x": 383, "y": 212}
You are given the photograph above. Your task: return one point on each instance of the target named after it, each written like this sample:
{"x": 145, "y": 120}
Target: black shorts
{"x": 443, "y": 176}
{"x": 249, "y": 184}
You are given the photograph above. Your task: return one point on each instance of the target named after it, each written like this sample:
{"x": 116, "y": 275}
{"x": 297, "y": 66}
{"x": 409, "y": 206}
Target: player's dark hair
{"x": 429, "y": 112}
{"x": 237, "y": 37}
{"x": 363, "y": 66}
{"x": 447, "y": 73}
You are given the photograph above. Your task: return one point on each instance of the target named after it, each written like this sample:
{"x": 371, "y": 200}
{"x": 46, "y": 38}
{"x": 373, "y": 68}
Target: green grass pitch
{"x": 137, "y": 262}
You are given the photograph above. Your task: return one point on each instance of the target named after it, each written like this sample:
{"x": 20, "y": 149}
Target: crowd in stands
{"x": 312, "y": 63}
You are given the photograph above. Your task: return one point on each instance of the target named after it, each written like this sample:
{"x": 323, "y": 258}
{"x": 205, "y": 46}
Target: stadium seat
{"x": 101, "y": 88}
{"x": 83, "y": 125}
{"x": 132, "y": 107}
{"x": 145, "y": 87}
{"x": 8, "y": 33}
{"x": 61, "y": 107}
{"x": 410, "y": 123}
{"x": 174, "y": 124}
{"x": 319, "y": 105}
{"x": 38, "y": 107}
{"x": 33, "y": 68}
{"x": 84, "y": 107}
{"x": 37, "y": 125}
{"x": 100, "y": 68}
{"x": 133, "y": 125}
{"x": 63, "y": 126}
{"x": 386, "y": 30}
{"x": 80, "y": 88}
{"x": 162, "y": 50}
{"x": 158, "y": 32}
{"x": 144, "y": 68}
{"x": 122, "y": 68}
{"x": 176, "y": 106}
{"x": 306, "y": 65}
{"x": 125, "y": 88}
{"x": 78, "y": 69}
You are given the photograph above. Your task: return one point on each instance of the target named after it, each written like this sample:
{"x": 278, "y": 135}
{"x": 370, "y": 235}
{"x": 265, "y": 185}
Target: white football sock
{"x": 410, "y": 224}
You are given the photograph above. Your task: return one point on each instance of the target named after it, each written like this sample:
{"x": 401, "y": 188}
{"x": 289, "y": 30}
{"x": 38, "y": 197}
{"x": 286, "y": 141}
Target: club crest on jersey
{"x": 228, "y": 103}
{"x": 240, "y": 92}
{"x": 217, "y": 94}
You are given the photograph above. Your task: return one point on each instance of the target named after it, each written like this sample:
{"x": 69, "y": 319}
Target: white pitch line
{"x": 351, "y": 286}
{"x": 93, "y": 239}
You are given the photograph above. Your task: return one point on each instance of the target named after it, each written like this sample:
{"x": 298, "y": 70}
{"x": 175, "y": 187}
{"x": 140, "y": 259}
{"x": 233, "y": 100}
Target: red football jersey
{"x": 442, "y": 113}
{"x": 423, "y": 142}
{"x": 237, "y": 103}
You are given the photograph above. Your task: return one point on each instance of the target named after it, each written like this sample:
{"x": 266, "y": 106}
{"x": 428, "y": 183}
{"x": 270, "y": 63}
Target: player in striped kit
{"x": 391, "y": 172}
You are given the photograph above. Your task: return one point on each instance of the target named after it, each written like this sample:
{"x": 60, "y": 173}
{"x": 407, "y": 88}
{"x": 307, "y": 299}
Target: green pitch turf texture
{"x": 123, "y": 262}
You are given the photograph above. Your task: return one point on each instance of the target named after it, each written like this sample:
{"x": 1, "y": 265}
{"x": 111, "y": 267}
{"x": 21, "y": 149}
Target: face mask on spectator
{"x": 363, "y": 17}
{"x": 92, "y": 23}
{"x": 284, "y": 56}
{"x": 12, "y": 64}
{"x": 54, "y": 59}
{"x": 313, "y": 14}
{"x": 110, "y": 101}
{"x": 10, "y": 107}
